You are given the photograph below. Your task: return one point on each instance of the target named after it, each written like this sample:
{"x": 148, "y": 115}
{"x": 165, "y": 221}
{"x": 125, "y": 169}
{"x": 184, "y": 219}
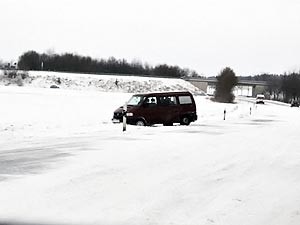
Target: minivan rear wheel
{"x": 185, "y": 121}
{"x": 140, "y": 123}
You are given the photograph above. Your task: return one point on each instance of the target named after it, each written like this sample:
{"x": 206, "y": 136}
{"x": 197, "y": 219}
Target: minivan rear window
{"x": 183, "y": 100}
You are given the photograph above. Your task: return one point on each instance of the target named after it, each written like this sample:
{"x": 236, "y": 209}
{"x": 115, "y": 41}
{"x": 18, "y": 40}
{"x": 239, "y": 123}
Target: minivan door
{"x": 169, "y": 109}
{"x": 150, "y": 110}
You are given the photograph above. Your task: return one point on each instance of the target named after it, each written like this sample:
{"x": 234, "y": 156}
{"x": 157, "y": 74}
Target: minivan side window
{"x": 184, "y": 100}
{"x": 167, "y": 100}
{"x": 152, "y": 101}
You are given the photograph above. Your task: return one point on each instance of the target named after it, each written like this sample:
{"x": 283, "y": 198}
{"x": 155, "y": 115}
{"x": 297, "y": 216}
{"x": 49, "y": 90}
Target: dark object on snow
{"x": 54, "y": 86}
{"x": 117, "y": 83}
{"x": 295, "y": 104}
{"x": 260, "y": 99}
{"x": 158, "y": 108}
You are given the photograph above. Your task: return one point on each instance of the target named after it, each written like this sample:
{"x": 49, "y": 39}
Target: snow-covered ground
{"x": 62, "y": 161}
{"x": 107, "y": 83}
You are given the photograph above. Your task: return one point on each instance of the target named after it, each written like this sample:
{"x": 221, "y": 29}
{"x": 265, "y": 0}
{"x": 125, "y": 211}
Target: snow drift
{"x": 107, "y": 83}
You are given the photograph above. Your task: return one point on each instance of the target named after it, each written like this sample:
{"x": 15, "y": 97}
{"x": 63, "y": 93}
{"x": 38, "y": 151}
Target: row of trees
{"x": 69, "y": 62}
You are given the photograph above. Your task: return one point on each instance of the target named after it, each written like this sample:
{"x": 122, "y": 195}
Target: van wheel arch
{"x": 185, "y": 120}
{"x": 140, "y": 122}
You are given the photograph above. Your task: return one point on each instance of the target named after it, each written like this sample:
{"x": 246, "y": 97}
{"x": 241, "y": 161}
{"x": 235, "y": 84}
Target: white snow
{"x": 73, "y": 81}
{"x": 62, "y": 161}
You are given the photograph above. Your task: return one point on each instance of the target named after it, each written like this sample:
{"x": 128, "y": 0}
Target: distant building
{"x": 243, "y": 88}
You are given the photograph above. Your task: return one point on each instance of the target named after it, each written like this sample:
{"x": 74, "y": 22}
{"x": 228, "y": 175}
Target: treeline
{"x": 284, "y": 87}
{"x": 69, "y": 62}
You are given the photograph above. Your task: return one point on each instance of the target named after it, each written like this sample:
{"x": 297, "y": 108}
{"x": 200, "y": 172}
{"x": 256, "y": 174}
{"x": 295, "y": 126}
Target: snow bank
{"x": 104, "y": 83}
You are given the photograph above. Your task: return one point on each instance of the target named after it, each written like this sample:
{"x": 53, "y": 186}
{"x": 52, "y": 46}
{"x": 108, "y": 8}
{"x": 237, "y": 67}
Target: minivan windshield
{"x": 135, "y": 100}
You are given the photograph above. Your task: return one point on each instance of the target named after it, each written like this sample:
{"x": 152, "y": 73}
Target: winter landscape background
{"x": 62, "y": 160}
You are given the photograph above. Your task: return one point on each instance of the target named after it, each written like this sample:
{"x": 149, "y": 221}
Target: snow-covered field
{"x": 62, "y": 161}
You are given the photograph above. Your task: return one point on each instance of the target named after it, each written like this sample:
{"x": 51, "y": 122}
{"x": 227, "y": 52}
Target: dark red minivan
{"x": 159, "y": 108}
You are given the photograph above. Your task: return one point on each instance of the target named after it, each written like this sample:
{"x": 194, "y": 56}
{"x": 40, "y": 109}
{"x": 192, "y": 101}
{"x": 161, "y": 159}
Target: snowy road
{"x": 80, "y": 169}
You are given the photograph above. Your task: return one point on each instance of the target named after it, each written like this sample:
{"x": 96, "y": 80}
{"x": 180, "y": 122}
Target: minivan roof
{"x": 166, "y": 93}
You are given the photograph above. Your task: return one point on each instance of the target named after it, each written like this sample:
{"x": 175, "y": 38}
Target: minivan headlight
{"x": 129, "y": 114}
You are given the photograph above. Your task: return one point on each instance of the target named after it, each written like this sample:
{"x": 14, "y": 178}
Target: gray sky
{"x": 251, "y": 37}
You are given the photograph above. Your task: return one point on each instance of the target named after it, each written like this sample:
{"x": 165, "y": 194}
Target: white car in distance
{"x": 260, "y": 99}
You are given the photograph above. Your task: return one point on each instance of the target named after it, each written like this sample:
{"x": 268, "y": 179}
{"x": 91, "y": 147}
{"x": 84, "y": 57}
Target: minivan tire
{"x": 140, "y": 123}
{"x": 185, "y": 120}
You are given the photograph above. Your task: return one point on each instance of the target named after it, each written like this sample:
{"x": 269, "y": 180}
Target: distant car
{"x": 159, "y": 108}
{"x": 260, "y": 99}
{"x": 295, "y": 104}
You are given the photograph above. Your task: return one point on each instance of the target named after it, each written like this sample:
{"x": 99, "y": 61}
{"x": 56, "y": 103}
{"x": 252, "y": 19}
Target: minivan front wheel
{"x": 185, "y": 121}
{"x": 140, "y": 123}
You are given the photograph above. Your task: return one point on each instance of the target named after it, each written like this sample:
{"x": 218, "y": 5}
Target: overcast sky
{"x": 253, "y": 36}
